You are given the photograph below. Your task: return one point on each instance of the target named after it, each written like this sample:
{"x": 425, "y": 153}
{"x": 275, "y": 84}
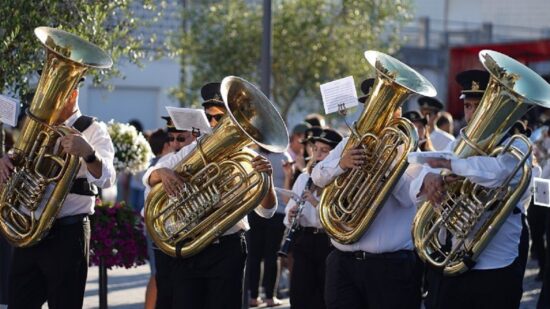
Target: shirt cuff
{"x": 264, "y": 212}
{"x": 461, "y": 167}
{"x": 105, "y": 180}
{"x": 333, "y": 168}
{"x": 416, "y": 184}
{"x": 148, "y": 174}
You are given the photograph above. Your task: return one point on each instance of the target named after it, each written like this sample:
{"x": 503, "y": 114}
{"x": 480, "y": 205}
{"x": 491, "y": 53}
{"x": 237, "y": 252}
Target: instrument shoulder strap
{"x": 81, "y": 186}
{"x": 83, "y": 122}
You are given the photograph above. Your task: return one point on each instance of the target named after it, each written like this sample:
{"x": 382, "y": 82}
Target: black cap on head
{"x": 366, "y": 87}
{"x": 315, "y": 120}
{"x": 415, "y": 116}
{"x": 328, "y": 136}
{"x": 312, "y": 133}
{"x": 211, "y": 95}
{"x": 473, "y": 83}
{"x": 170, "y": 127}
{"x": 300, "y": 128}
{"x": 431, "y": 103}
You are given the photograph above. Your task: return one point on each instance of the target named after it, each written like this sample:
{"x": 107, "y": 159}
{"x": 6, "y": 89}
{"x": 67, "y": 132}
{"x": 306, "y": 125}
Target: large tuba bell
{"x": 42, "y": 172}
{"x": 351, "y": 202}
{"x": 471, "y": 214}
{"x": 221, "y": 186}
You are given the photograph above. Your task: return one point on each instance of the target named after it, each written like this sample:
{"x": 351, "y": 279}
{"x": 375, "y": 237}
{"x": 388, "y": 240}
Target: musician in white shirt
{"x": 310, "y": 245}
{"x": 380, "y": 270}
{"x": 213, "y": 277}
{"x": 495, "y": 280}
{"x": 55, "y": 269}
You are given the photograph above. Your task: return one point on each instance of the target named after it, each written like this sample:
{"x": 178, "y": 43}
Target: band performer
{"x": 213, "y": 277}
{"x": 311, "y": 245}
{"x": 55, "y": 269}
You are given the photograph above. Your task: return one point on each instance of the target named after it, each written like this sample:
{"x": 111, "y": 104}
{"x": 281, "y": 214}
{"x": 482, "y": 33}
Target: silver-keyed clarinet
{"x": 295, "y": 224}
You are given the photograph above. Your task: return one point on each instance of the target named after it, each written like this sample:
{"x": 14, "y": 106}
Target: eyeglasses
{"x": 217, "y": 117}
{"x": 180, "y": 139}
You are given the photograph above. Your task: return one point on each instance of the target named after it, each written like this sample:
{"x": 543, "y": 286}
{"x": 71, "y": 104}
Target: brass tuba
{"x": 42, "y": 173}
{"x": 351, "y": 202}
{"x": 471, "y": 214}
{"x": 221, "y": 186}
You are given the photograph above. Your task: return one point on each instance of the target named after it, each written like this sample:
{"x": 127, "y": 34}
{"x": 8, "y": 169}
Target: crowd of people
{"x": 379, "y": 270}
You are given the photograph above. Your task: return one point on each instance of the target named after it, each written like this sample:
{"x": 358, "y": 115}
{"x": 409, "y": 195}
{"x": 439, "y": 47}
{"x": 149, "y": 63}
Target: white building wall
{"x": 143, "y": 94}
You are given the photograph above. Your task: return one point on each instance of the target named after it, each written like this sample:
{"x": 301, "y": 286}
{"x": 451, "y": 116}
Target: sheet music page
{"x": 8, "y": 110}
{"x": 542, "y": 192}
{"x": 189, "y": 119}
{"x": 339, "y": 92}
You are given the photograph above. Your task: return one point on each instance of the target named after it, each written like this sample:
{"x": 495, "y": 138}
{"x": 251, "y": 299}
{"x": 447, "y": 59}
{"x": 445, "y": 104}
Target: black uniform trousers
{"x": 265, "y": 240}
{"x": 310, "y": 249}
{"x": 6, "y": 252}
{"x": 537, "y": 217}
{"x": 544, "y": 297}
{"x": 165, "y": 279}
{"x": 360, "y": 280}
{"x": 55, "y": 269}
{"x": 213, "y": 278}
{"x": 499, "y": 288}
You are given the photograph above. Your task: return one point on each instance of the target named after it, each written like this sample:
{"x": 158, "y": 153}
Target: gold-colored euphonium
{"x": 42, "y": 173}
{"x": 221, "y": 186}
{"x": 452, "y": 236}
{"x": 351, "y": 202}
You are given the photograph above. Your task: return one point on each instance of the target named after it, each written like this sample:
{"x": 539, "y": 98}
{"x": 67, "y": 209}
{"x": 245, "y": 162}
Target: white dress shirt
{"x": 440, "y": 139}
{"x": 391, "y": 230}
{"x": 170, "y": 161}
{"x": 489, "y": 172}
{"x": 97, "y": 135}
{"x": 310, "y": 214}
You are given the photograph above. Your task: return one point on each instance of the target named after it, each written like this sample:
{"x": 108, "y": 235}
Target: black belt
{"x": 224, "y": 238}
{"x": 362, "y": 255}
{"x": 311, "y": 230}
{"x": 68, "y": 220}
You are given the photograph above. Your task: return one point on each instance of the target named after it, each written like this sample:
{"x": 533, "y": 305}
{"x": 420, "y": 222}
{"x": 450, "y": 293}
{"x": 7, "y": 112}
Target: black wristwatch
{"x": 91, "y": 158}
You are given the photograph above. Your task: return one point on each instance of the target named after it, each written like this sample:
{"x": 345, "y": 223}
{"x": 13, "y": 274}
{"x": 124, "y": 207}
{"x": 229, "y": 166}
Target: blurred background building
{"x": 443, "y": 38}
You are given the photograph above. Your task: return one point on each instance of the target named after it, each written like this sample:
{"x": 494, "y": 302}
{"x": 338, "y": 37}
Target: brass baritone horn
{"x": 221, "y": 186}
{"x": 42, "y": 172}
{"x": 351, "y": 202}
{"x": 470, "y": 214}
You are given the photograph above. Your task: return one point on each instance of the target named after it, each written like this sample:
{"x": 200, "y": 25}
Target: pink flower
{"x": 117, "y": 236}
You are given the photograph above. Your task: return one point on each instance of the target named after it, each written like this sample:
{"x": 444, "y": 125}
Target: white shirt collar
{"x": 70, "y": 122}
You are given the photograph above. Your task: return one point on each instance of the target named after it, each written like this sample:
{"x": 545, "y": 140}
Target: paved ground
{"x": 531, "y": 287}
{"x": 127, "y": 288}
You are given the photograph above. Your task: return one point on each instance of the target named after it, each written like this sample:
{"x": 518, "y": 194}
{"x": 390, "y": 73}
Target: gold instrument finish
{"x": 351, "y": 202}
{"x": 42, "y": 173}
{"x": 221, "y": 186}
{"x": 453, "y": 235}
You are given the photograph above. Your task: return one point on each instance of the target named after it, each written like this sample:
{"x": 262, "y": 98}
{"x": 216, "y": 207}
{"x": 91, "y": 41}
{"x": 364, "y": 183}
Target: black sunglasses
{"x": 217, "y": 117}
{"x": 180, "y": 139}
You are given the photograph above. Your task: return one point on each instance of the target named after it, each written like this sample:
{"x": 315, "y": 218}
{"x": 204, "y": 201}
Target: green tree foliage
{"x": 314, "y": 41}
{"x": 110, "y": 24}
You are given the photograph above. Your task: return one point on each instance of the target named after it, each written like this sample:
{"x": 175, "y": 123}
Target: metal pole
{"x": 102, "y": 284}
{"x": 265, "y": 63}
